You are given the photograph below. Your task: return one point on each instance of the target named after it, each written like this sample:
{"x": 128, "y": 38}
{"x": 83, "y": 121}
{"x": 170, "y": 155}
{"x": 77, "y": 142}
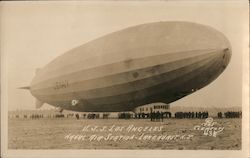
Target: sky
{"x": 34, "y": 33}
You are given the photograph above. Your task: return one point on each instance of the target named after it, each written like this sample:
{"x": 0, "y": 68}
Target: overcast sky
{"x": 35, "y": 33}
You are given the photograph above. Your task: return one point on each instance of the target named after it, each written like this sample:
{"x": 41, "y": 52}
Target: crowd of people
{"x": 153, "y": 116}
{"x": 200, "y": 115}
{"x": 125, "y": 115}
{"x": 230, "y": 114}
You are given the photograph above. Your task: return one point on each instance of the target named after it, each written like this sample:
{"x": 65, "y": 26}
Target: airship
{"x": 143, "y": 64}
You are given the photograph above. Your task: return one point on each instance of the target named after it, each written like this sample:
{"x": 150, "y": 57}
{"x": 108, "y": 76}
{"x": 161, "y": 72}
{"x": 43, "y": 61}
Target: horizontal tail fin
{"x": 27, "y": 88}
{"x": 39, "y": 104}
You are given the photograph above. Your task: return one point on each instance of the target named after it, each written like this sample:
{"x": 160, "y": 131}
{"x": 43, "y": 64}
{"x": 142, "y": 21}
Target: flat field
{"x": 69, "y": 133}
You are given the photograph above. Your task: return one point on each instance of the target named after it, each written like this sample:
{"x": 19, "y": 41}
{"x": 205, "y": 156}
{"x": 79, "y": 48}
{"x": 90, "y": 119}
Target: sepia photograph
{"x": 124, "y": 78}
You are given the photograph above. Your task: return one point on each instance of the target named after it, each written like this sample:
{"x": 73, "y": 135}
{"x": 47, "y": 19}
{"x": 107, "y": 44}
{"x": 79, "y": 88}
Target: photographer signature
{"x": 209, "y": 128}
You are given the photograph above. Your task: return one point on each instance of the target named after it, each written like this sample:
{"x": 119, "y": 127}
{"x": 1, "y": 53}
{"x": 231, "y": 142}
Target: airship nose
{"x": 227, "y": 53}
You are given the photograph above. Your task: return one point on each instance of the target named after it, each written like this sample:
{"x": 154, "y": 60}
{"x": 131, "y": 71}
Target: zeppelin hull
{"x": 120, "y": 79}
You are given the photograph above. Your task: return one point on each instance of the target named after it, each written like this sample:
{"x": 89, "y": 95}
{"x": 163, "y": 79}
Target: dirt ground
{"x": 178, "y": 134}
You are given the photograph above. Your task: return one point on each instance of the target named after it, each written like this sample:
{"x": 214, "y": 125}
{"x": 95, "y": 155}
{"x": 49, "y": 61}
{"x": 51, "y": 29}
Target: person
{"x": 161, "y": 116}
{"x": 77, "y": 116}
{"x": 219, "y": 115}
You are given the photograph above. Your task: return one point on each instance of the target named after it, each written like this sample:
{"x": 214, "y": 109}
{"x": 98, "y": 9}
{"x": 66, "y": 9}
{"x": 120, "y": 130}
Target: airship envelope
{"x": 148, "y": 63}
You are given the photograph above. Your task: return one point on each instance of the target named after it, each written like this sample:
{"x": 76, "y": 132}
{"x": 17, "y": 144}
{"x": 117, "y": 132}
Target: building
{"x": 154, "y": 107}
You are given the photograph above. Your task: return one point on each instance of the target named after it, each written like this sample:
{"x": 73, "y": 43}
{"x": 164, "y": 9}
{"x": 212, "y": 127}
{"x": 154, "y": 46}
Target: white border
{"x": 6, "y": 153}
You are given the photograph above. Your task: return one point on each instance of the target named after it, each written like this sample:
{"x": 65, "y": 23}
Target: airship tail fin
{"x": 39, "y": 104}
{"x": 27, "y": 88}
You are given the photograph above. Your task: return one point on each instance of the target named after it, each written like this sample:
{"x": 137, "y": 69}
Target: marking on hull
{"x": 135, "y": 74}
{"x": 74, "y": 102}
{"x": 128, "y": 63}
